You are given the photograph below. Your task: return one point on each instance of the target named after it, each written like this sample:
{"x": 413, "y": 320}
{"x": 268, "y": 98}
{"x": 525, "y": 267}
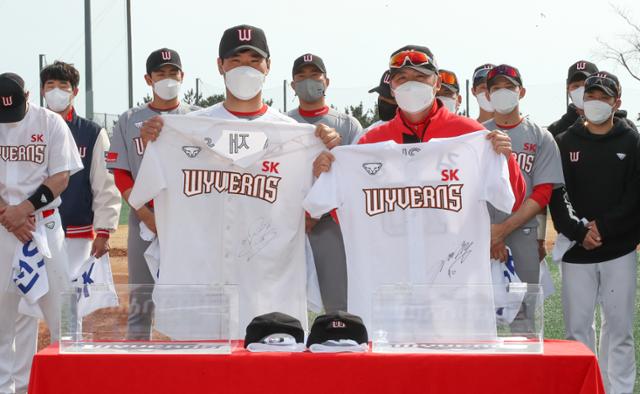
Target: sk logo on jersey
{"x": 34, "y": 153}
{"x": 137, "y": 141}
{"x": 191, "y": 151}
{"x": 37, "y": 137}
{"x": 574, "y": 156}
{"x": 372, "y": 168}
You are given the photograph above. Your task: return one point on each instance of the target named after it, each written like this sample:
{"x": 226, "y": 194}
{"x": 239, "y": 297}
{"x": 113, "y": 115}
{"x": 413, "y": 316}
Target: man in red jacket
{"x": 421, "y": 116}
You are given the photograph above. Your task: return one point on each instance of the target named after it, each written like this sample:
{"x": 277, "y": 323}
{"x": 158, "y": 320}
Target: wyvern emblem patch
{"x": 50, "y": 225}
{"x": 191, "y": 151}
{"x": 372, "y": 168}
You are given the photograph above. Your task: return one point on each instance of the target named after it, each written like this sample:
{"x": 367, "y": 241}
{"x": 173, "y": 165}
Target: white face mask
{"x": 577, "y": 97}
{"x": 167, "y": 89}
{"x": 244, "y": 82}
{"x": 449, "y": 103}
{"x": 504, "y": 100}
{"x": 484, "y": 102}
{"x": 413, "y": 97}
{"x": 57, "y": 99}
{"x": 597, "y": 112}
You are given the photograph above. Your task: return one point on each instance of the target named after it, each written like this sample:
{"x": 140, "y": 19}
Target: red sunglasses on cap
{"x": 505, "y": 70}
{"x": 448, "y": 78}
{"x": 416, "y": 58}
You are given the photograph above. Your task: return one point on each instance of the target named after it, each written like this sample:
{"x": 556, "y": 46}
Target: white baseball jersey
{"x": 37, "y": 147}
{"x": 218, "y": 111}
{"x": 414, "y": 213}
{"x": 228, "y": 207}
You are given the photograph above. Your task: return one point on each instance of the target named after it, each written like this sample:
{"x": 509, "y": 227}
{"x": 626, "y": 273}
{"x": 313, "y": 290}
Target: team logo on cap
{"x": 191, "y": 151}
{"x": 601, "y": 75}
{"x": 307, "y": 58}
{"x": 7, "y": 101}
{"x": 338, "y": 324}
{"x": 581, "y": 66}
{"x": 166, "y": 55}
{"x": 372, "y": 168}
{"x": 387, "y": 79}
{"x": 574, "y": 156}
{"x": 244, "y": 34}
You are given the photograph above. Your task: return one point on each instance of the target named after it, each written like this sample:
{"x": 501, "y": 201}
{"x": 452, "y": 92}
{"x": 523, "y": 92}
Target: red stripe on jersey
{"x": 261, "y": 111}
{"x": 313, "y": 113}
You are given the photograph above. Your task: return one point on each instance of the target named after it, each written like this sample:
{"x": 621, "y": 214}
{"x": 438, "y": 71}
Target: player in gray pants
{"x": 310, "y": 83}
{"x": 164, "y": 75}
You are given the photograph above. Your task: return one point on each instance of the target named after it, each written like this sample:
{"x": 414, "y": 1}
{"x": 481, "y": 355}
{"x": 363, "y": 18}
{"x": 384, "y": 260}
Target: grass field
{"x": 553, "y": 321}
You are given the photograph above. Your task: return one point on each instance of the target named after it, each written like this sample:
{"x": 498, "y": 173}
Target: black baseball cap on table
{"x": 383, "y": 88}
{"x": 504, "y": 70}
{"x": 402, "y": 58}
{"x": 162, "y": 57}
{"x": 604, "y": 81}
{"x": 580, "y": 70}
{"x": 308, "y": 59}
{"x": 242, "y": 37}
{"x": 337, "y": 326}
{"x": 13, "y": 100}
{"x": 273, "y": 323}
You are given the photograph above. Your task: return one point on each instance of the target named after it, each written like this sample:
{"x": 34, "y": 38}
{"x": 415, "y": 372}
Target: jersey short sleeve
{"x": 495, "y": 174}
{"x": 117, "y": 157}
{"x": 63, "y": 152}
{"x": 323, "y": 196}
{"x": 150, "y": 180}
{"x": 547, "y": 167}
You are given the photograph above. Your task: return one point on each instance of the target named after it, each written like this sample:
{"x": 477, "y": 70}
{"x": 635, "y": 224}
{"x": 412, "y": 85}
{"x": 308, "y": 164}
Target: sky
{"x": 355, "y": 38}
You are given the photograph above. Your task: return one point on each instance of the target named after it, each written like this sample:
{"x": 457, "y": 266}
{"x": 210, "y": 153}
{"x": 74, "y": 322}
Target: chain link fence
{"x": 106, "y": 120}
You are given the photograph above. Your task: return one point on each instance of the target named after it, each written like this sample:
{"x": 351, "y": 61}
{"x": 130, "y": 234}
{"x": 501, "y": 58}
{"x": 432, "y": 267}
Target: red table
{"x": 565, "y": 367}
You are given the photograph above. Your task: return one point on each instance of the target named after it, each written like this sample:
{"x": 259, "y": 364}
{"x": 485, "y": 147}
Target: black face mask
{"x": 386, "y": 111}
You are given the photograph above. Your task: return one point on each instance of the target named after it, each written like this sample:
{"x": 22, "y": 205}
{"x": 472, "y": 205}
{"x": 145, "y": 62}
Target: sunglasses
{"x": 503, "y": 70}
{"x": 602, "y": 81}
{"x": 415, "y": 58}
{"x": 448, "y": 78}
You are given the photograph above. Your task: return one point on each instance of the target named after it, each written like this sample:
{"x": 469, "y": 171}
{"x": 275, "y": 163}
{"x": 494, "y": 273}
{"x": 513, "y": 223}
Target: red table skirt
{"x": 565, "y": 367}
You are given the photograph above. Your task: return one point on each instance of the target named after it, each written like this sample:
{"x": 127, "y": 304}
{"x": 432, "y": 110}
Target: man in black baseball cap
{"x": 13, "y": 98}
{"x": 600, "y": 164}
{"x": 478, "y": 89}
{"x": 576, "y": 75}
{"x": 449, "y": 92}
{"x": 310, "y": 83}
{"x": 386, "y": 106}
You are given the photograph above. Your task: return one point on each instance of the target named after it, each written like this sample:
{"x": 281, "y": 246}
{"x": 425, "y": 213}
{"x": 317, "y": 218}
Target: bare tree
{"x": 626, "y": 49}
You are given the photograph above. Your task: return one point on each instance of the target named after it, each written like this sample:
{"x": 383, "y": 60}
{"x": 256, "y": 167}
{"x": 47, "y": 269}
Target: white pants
{"x": 612, "y": 284}
{"x": 50, "y": 303}
{"x": 27, "y": 342}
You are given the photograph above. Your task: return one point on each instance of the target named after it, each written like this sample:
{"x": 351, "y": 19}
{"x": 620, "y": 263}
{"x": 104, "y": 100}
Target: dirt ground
{"x": 118, "y": 255}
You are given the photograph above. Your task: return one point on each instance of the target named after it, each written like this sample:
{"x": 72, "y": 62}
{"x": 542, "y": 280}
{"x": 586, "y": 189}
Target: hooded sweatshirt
{"x": 602, "y": 178}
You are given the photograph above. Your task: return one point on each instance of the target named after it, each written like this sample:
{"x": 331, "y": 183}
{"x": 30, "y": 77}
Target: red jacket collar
{"x": 312, "y": 114}
{"x": 259, "y": 112}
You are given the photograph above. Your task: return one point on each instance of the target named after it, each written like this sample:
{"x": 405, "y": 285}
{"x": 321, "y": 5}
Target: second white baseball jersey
{"x": 414, "y": 213}
{"x": 228, "y": 205}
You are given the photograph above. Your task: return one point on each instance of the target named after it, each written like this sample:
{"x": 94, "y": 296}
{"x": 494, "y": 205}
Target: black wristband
{"x": 42, "y": 197}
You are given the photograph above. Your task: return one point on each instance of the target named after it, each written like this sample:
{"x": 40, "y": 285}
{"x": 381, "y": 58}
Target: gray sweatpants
{"x": 523, "y": 243}
{"x": 331, "y": 263}
{"x": 140, "y": 284}
{"x": 612, "y": 284}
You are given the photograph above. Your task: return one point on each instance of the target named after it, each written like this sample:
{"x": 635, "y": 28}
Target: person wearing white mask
{"x": 600, "y": 159}
{"x": 244, "y": 62}
{"x": 577, "y": 74}
{"x": 449, "y": 92}
{"x": 164, "y": 76}
{"x": 478, "y": 89}
{"x": 537, "y": 155}
{"x": 414, "y": 81}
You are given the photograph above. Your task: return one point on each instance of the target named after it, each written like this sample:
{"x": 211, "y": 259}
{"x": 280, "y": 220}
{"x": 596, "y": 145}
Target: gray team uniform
{"x": 538, "y": 156}
{"x": 325, "y": 238}
{"x": 126, "y": 154}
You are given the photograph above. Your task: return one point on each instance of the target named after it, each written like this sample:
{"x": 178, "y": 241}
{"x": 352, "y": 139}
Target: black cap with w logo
{"x": 13, "y": 101}
{"x": 580, "y": 70}
{"x": 162, "y": 57}
{"x": 241, "y": 37}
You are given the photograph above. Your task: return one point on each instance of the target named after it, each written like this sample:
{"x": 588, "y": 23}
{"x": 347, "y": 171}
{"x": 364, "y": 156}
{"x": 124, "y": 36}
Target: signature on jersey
{"x": 455, "y": 258}
{"x": 260, "y": 234}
